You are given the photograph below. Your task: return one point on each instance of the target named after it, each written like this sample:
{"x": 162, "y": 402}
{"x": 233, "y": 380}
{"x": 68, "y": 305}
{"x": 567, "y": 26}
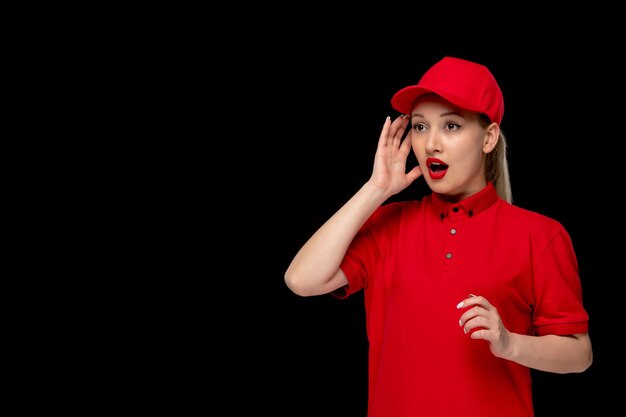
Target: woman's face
{"x": 450, "y": 145}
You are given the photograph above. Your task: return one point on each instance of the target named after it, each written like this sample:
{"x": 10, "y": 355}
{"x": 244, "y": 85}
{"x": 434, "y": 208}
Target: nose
{"x": 433, "y": 142}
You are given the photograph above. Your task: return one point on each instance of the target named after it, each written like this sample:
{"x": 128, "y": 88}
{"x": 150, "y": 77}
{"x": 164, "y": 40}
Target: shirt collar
{"x": 471, "y": 205}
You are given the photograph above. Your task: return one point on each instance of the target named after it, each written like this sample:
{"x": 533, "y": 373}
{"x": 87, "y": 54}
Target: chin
{"x": 443, "y": 188}
{"x": 437, "y": 186}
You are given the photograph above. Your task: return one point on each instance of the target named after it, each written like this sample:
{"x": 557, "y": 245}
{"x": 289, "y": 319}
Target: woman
{"x": 464, "y": 291}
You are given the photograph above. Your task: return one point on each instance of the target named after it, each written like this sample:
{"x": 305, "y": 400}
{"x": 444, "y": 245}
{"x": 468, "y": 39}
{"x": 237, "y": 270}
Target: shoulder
{"x": 393, "y": 215}
{"x": 396, "y": 209}
{"x": 533, "y": 221}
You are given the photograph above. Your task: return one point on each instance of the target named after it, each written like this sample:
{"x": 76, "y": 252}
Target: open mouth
{"x": 436, "y": 168}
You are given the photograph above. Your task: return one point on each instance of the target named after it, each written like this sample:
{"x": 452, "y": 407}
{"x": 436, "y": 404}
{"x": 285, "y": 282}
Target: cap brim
{"x": 403, "y": 100}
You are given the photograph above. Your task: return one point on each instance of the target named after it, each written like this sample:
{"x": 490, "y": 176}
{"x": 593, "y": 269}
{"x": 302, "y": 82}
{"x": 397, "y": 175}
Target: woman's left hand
{"x": 481, "y": 320}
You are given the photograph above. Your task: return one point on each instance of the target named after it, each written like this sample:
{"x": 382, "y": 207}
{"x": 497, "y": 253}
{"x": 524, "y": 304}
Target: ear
{"x": 492, "y": 133}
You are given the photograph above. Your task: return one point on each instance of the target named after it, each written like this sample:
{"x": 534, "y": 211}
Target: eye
{"x": 419, "y": 127}
{"x": 452, "y": 126}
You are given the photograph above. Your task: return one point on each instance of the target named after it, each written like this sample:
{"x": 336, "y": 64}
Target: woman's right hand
{"x": 389, "y": 173}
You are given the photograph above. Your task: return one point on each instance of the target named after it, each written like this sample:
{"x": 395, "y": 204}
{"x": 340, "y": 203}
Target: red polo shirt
{"x": 416, "y": 260}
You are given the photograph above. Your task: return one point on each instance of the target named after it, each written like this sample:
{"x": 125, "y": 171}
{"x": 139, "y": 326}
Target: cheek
{"x": 471, "y": 151}
{"x": 474, "y": 159}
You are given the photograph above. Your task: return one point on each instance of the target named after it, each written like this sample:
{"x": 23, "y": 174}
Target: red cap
{"x": 466, "y": 84}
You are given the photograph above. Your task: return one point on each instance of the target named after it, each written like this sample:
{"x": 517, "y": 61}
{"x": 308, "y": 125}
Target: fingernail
{"x": 460, "y": 322}
{"x": 459, "y": 305}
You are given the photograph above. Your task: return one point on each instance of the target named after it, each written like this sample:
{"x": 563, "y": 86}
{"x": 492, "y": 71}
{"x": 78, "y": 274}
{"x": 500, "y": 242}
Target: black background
{"x": 309, "y": 133}
{"x": 275, "y": 131}
{"x": 229, "y": 136}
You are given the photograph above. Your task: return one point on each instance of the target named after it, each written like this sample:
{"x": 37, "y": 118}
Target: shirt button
{"x": 471, "y": 213}
{"x": 456, "y": 209}
{"x": 441, "y": 216}
{"x": 453, "y": 231}
{"x": 448, "y": 255}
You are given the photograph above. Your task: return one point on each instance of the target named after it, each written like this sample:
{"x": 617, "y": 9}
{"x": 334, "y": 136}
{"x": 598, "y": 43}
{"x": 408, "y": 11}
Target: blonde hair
{"x": 497, "y": 167}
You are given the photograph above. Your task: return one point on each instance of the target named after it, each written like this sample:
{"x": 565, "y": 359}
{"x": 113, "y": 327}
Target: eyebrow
{"x": 450, "y": 113}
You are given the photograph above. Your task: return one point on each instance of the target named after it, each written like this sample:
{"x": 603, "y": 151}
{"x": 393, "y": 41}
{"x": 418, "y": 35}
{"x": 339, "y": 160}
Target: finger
{"x": 471, "y": 300}
{"x": 406, "y": 145}
{"x": 414, "y": 173}
{"x": 475, "y": 322}
{"x": 398, "y": 128}
{"x": 384, "y": 134}
{"x": 470, "y": 314}
{"x": 480, "y": 334}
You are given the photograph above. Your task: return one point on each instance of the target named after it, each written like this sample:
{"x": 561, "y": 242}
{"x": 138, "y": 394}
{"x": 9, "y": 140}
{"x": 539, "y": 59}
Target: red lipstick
{"x": 436, "y": 168}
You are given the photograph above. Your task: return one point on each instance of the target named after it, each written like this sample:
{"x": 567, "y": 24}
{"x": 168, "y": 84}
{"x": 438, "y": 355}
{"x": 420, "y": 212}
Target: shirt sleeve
{"x": 361, "y": 251}
{"x": 362, "y": 257}
{"x": 557, "y": 289}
